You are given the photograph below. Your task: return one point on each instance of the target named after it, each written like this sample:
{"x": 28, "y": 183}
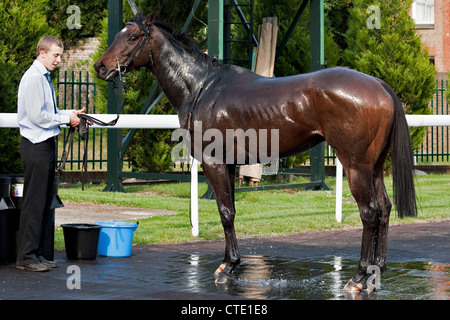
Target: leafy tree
{"x": 9, "y": 138}
{"x": 23, "y": 24}
{"x": 337, "y": 12}
{"x": 391, "y": 51}
{"x": 152, "y": 148}
{"x": 91, "y": 14}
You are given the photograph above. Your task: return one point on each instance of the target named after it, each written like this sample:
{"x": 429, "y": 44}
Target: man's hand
{"x": 74, "y": 119}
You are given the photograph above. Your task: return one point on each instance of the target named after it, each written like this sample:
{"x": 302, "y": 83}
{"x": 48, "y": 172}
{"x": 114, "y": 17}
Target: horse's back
{"x": 338, "y": 105}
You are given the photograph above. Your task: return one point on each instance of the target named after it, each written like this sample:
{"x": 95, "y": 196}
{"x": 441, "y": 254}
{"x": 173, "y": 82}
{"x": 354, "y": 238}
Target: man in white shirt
{"x": 39, "y": 122}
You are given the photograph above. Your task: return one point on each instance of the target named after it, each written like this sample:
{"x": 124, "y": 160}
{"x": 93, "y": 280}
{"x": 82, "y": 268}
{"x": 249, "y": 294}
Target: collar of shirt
{"x": 40, "y": 67}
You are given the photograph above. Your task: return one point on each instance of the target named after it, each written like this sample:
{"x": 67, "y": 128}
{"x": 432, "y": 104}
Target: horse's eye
{"x": 132, "y": 39}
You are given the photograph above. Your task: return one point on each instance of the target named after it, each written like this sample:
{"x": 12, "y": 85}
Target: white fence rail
{"x": 126, "y": 121}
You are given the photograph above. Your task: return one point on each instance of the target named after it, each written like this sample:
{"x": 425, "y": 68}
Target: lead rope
{"x": 65, "y": 153}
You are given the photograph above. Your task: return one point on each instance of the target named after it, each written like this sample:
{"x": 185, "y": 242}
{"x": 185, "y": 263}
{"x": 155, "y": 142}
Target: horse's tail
{"x": 402, "y": 161}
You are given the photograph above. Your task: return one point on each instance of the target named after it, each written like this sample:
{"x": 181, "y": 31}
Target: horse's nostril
{"x": 100, "y": 67}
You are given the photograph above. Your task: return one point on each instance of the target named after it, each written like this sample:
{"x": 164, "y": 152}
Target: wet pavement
{"x": 308, "y": 266}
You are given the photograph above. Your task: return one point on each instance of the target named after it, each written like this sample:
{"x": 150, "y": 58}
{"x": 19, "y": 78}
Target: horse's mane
{"x": 180, "y": 39}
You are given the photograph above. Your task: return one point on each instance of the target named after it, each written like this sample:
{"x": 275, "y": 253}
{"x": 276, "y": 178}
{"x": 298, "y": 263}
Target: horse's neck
{"x": 179, "y": 76}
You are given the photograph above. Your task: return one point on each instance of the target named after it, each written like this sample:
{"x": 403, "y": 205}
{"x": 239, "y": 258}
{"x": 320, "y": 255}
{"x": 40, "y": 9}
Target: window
{"x": 423, "y": 11}
{"x": 432, "y": 60}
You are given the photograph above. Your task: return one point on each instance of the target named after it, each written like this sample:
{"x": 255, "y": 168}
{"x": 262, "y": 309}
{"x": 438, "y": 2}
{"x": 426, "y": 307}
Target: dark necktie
{"x": 49, "y": 79}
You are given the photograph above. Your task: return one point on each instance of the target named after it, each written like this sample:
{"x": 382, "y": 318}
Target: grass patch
{"x": 261, "y": 213}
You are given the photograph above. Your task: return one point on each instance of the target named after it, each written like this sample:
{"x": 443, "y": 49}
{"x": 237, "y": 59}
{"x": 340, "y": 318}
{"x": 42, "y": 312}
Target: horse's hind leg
{"x": 221, "y": 178}
{"x": 385, "y": 206}
{"x": 361, "y": 182}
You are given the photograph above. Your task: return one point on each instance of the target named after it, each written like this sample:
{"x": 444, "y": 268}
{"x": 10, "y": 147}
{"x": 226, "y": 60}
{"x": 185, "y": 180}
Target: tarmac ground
{"x": 305, "y": 266}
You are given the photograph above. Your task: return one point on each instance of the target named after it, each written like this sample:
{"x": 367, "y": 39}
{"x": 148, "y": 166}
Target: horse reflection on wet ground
{"x": 264, "y": 277}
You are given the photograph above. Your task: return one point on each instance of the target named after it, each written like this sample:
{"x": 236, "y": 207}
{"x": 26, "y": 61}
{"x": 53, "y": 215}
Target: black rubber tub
{"x": 81, "y": 240}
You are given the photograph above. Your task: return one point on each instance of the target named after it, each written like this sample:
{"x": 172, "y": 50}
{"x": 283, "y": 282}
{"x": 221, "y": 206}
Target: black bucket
{"x": 81, "y": 240}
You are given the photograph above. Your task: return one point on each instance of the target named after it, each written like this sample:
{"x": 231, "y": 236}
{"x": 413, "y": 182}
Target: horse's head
{"x": 130, "y": 49}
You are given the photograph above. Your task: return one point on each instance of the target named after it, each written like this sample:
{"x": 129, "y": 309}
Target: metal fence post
{"x": 215, "y": 28}
{"x": 113, "y": 181}
{"x": 317, "y": 63}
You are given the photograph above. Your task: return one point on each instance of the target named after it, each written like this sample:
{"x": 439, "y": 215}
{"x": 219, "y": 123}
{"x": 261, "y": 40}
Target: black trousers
{"x": 39, "y": 163}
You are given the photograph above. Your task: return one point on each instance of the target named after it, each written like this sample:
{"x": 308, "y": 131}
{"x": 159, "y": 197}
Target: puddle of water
{"x": 263, "y": 277}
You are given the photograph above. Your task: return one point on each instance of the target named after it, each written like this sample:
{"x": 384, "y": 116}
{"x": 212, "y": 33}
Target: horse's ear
{"x": 150, "y": 18}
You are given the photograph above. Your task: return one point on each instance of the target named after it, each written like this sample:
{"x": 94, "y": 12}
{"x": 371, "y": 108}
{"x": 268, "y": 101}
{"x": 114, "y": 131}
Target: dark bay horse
{"x": 358, "y": 115}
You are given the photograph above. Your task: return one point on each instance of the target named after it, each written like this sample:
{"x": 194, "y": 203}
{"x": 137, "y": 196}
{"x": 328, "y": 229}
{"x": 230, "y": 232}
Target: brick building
{"x": 77, "y": 57}
{"x": 432, "y": 19}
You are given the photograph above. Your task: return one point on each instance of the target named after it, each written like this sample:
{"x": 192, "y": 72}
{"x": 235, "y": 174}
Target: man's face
{"x": 52, "y": 57}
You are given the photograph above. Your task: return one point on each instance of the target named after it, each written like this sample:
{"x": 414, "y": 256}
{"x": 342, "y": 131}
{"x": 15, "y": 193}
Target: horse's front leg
{"x": 232, "y": 256}
{"x": 221, "y": 179}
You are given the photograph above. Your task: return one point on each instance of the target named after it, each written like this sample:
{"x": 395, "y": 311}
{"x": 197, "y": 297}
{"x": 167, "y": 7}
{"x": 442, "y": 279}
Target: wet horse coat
{"x": 358, "y": 115}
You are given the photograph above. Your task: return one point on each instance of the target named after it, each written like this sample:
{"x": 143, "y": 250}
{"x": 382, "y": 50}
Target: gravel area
{"x": 74, "y": 212}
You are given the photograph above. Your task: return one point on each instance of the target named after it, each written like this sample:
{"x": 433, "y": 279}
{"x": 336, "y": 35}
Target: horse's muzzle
{"x": 102, "y": 71}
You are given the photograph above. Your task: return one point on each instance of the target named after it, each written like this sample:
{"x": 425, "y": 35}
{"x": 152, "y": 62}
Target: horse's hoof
{"x": 352, "y": 286}
{"x": 220, "y": 269}
{"x": 223, "y": 279}
{"x": 223, "y": 275}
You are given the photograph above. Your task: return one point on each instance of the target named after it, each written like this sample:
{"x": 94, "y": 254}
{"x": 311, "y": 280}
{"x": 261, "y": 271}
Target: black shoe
{"x": 47, "y": 263}
{"x": 37, "y": 267}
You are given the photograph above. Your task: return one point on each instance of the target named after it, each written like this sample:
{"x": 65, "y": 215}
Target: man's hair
{"x": 46, "y": 42}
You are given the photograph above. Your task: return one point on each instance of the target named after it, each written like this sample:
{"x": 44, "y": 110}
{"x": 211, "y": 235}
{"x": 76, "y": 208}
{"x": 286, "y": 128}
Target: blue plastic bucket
{"x": 115, "y": 238}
